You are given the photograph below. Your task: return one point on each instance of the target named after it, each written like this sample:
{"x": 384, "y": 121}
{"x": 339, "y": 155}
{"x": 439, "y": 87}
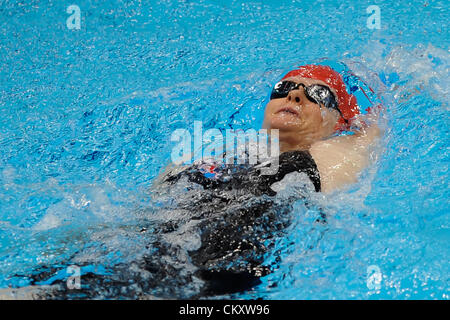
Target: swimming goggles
{"x": 316, "y": 93}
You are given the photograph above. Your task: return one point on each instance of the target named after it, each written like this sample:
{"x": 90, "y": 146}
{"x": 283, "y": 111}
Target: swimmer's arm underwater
{"x": 169, "y": 170}
{"x": 341, "y": 159}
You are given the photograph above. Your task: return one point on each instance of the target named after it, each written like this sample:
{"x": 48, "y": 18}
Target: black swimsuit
{"x": 234, "y": 213}
{"x": 238, "y": 214}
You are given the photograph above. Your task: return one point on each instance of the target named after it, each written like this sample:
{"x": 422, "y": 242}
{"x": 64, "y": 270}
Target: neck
{"x": 288, "y": 146}
{"x": 289, "y": 142}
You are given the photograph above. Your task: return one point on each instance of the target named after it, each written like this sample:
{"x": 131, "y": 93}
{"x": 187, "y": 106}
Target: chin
{"x": 284, "y": 124}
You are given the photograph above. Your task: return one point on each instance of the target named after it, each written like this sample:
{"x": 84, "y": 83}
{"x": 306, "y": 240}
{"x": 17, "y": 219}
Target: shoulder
{"x": 339, "y": 161}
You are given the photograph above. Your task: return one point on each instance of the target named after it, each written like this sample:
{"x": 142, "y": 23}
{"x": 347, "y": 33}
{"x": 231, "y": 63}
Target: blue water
{"x": 86, "y": 119}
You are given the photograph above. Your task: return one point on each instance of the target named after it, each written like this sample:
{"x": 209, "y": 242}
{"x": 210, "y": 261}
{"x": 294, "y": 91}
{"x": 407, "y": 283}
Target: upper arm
{"x": 340, "y": 160}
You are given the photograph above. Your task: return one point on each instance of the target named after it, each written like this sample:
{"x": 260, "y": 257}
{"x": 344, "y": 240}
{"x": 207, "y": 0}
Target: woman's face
{"x": 299, "y": 120}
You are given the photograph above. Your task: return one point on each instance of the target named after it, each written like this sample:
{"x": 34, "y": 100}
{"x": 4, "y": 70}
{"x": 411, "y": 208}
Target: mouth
{"x": 288, "y": 110}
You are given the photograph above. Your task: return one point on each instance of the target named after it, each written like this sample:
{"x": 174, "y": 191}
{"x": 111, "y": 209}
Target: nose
{"x": 296, "y": 96}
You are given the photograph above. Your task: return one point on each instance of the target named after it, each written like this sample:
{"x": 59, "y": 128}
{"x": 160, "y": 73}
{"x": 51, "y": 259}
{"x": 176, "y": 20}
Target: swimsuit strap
{"x": 300, "y": 161}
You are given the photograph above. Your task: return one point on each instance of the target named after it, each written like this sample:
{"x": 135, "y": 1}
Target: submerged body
{"x": 212, "y": 236}
{"x": 228, "y": 222}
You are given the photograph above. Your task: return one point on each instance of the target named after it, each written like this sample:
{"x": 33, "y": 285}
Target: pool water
{"x": 87, "y": 117}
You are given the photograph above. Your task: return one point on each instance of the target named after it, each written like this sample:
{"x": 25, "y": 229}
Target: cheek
{"x": 267, "y": 114}
{"x": 313, "y": 114}
{"x": 330, "y": 121}
{"x": 270, "y": 109}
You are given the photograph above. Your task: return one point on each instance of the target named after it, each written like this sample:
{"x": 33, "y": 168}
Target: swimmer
{"x": 229, "y": 219}
{"x": 308, "y": 106}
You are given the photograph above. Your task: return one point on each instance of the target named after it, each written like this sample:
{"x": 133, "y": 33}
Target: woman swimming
{"x": 226, "y": 222}
{"x": 307, "y": 107}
